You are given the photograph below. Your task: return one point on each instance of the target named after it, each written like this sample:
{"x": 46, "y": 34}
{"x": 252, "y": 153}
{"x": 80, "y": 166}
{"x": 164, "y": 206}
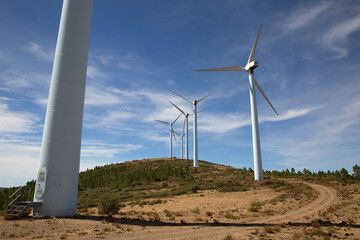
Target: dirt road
{"x": 326, "y": 197}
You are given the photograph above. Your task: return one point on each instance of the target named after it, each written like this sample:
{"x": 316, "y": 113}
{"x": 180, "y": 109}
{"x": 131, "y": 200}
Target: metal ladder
{"x": 16, "y": 207}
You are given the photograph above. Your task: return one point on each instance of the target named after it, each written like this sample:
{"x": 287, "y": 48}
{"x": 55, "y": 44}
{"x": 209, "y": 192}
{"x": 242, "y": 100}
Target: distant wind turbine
{"x": 194, "y": 103}
{"x": 182, "y": 140}
{"x": 250, "y": 66}
{"x": 186, "y": 122}
{"x": 171, "y": 132}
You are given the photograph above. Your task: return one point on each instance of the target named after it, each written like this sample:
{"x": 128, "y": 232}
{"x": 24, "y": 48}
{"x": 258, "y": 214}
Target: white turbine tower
{"x": 186, "y": 122}
{"x": 57, "y": 179}
{"x": 171, "y": 132}
{"x": 194, "y": 103}
{"x": 182, "y": 140}
{"x": 250, "y": 66}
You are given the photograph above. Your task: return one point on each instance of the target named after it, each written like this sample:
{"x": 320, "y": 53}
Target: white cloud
{"x": 19, "y": 159}
{"x": 105, "y": 59}
{"x": 335, "y": 39}
{"x": 288, "y": 114}
{"x": 224, "y": 123}
{"x": 17, "y": 122}
{"x": 94, "y": 72}
{"x": 302, "y": 16}
{"x": 37, "y": 50}
{"x": 101, "y": 97}
{"x": 101, "y": 150}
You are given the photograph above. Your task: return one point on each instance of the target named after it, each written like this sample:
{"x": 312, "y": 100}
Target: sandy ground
{"x": 331, "y": 213}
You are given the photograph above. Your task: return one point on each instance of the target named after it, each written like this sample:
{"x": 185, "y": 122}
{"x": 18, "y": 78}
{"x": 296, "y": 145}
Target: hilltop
{"x": 168, "y": 199}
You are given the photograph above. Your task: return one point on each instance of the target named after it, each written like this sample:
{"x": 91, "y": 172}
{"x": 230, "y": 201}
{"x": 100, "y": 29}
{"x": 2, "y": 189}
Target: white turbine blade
{"x": 190, "y": 130}
{"x": 203, "y": 98}
{"x": 201, "y": 110}
{"x": 232, "y": 68}
{"x": 178, "y": 108}
{"x": 180, "y": 96}
{"x": 262, "y": 92}
{"x": 174, "y": 135}
{"x": 163, "y": 122}
{"x": 176, "y": 119}
{"x": 252, "y": 53}
{"x": 177, "y": 134}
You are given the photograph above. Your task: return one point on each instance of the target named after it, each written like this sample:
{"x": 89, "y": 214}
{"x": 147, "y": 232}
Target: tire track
{"x": 327, "y": 196}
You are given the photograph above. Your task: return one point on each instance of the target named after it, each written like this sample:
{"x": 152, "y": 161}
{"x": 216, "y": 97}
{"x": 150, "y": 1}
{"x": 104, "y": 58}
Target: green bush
{"x": 109, "y": 204}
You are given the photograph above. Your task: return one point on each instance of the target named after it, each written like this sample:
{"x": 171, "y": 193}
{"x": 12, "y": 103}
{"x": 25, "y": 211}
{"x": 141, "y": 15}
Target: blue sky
{"x": 309, "y": 55}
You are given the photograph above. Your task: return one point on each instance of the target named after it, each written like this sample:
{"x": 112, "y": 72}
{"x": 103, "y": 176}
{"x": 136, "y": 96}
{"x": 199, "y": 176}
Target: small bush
{"x": 255, "y": 206}
{"x": 194, "y": 189}
{"x": 229, "y": 237}
{"x": 209, "y": 214}
{"x": 109, "y": 204}
{"x": 195, "y": 210}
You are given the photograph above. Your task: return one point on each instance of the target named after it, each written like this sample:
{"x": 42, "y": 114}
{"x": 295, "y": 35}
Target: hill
{"x": 138, "y": 180}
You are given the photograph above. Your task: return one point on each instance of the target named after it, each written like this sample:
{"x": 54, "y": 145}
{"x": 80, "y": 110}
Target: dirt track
{"x": 326, "y": 197}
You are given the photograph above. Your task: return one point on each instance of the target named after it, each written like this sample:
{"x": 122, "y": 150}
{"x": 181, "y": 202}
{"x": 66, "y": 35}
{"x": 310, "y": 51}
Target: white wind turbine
{"x": 250, "y": 66}
{"x": 182, "y": 140}
{"x": 171, "y": 132}
{"x": 194, "y": 103}
{"x": 186, "y": 122}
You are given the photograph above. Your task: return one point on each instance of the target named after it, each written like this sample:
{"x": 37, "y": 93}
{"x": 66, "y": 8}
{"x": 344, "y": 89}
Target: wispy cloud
{"x": 95, "y": 73}
{"x": 336, "y": 38}
{"x": 18, "y": 153}
{"x": 17, "y": 122}
{"x": 38, "y": 51}
{"x": 101, "y": 150}
{"x": 101, "y": 97}
{"x": 225, "y": 123}
{"x": 302, "y": 16}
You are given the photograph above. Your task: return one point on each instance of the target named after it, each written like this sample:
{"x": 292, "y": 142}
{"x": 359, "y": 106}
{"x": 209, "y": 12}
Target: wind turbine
{"x": 186, "y": 122}
{"x": 171, "y": 132}
{"x": 194, "y": 103}
{"x": 182, "y": 140}
{"x": 250, "y": 66}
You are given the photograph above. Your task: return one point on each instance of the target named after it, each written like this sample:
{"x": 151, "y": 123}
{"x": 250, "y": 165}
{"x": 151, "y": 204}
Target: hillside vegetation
{"x": 150, "y": 180}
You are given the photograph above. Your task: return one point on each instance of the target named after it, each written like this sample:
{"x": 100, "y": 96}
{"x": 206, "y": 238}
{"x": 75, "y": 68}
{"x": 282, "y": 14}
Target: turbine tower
{"x": 194, "y": 103}
{"x": 182, "y": 141}
{"x": 186, "y": 122}
{"x": 57, "y": 179}
{"x": 250, "y": 66}
{"x": 171, "y": 132}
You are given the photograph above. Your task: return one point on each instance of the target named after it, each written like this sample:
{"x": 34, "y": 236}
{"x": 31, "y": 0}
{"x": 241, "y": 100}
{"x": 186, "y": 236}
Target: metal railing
{"x": 15, "y": 197}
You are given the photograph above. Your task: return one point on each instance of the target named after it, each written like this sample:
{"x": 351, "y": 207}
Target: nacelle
{"x": 251, "y": 65}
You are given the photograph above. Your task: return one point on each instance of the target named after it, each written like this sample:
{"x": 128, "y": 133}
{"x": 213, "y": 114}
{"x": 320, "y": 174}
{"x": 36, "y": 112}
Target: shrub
{"x": 109, "y": 204}
{"x": 229, "y": 237}
{"x": 255, "y": 206}
{"x": 209, "y": 214}
{"x": 195, "y": 210}
{"x": 194, "y": 189}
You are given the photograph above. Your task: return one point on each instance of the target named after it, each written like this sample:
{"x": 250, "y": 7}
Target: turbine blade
{"x": 176, "y": 119}
{"x": 262, "y": 92}
{"x": 180, "y": 96}
{"x": 174, "y": 135}
{"x": 178, "y": 108}
{"x": 177, "y": 133}
{"x": 190, "y": 130}
{"x": 252, "y": 53}
{"x": 163, "y": 122}
{"x": 201, "y": 110}
{"x": 203, "y": 98}
{"x": 232, "y": 68}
